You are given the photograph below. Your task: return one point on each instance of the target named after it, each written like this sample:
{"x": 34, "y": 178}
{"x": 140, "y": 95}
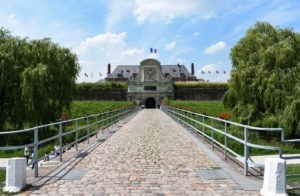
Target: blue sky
{"x": 122, "y": 31}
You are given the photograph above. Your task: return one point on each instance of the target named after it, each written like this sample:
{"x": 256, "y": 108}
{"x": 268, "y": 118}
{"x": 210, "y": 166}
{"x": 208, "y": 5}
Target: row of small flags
{"x": 87, "y": 75}
{"x": 202, "y": 72}
{"x": 217, "y": 72}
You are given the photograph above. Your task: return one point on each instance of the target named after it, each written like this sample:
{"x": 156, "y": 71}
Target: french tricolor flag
{"x": 152, "y": 50}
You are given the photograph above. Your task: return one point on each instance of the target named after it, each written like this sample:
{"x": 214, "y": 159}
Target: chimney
{"x": 108, "y": 68}
{"x": 192, "y": 69}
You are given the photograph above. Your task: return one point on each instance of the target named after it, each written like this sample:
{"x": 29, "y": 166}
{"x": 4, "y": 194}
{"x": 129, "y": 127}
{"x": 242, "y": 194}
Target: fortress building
{"x": 150, "y": 82}
{"x": 175, "y": 72}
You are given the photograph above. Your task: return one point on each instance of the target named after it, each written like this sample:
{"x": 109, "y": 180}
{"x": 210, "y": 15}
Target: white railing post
{"x": 274, "y": 177}
{"x": 15, "y": 175}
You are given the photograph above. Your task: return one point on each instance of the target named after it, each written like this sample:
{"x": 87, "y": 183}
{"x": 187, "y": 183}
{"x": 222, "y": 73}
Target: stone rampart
{"x": 179, "y": 94}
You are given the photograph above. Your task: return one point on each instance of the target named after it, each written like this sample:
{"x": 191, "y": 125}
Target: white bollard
{"x": 15, "y": 175}
{"x": 274, "y": 177}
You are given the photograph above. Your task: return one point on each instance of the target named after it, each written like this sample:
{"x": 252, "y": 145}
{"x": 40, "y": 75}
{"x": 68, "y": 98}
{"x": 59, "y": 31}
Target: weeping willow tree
{"x": 37, "y": 81}
{"x": 264, "y": 87}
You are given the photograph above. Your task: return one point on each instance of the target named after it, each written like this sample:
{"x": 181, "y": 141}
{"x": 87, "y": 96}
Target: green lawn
{"x": 210, "y": 108}
{"x": 2, "y": 180}
{"x": 83, "y": 108}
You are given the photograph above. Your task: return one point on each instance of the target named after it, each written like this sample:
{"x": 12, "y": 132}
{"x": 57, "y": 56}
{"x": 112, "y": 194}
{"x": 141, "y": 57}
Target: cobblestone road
{"x": 150, "y": 155}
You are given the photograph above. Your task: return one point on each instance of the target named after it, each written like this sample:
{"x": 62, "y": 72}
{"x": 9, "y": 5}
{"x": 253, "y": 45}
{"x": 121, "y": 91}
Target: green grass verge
{"x": 293, "y": 169}
{"x": 210, "y": 108}
{"x": 83, "y": 108}
{"x": 214, "y": 108}
{"x": 2, "y": 180}
{"x": 205, "y": 85}
{"x": 78, "y": 109}
{"x": 100, "y": 86}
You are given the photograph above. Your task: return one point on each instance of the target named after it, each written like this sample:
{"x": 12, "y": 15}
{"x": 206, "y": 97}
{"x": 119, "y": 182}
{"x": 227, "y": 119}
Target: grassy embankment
{"x": 210, "y": 108}
{"x": 79, "y": 109}
{"x": 214, "y": 108}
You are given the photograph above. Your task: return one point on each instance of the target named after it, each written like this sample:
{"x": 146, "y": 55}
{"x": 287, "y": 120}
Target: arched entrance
{"x": 150, "y": 102}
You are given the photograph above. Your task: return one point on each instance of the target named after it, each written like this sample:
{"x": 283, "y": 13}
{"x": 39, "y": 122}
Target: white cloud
{"x": 196, "y": 34}
{"x": 102, "y": 42}
{"x": 152, "y": 56}
{"x": 284, "y": 14}
{"x": 94, "y": 53}
{"x": 133, "y": 52}
{"x": 215, "y": 48}
{"x": 213, "y": 68}
{"x": 12, "y": 20}
{"x": 207, "y": 68}
{"x": 180, "y": 60}
{"x": 167, "y": 10}
{"x": 118, "y": 10}
{"x": 171, "y": 45}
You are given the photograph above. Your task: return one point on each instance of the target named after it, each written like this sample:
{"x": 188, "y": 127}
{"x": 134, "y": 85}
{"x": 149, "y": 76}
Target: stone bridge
{"x": 149, "y": 155}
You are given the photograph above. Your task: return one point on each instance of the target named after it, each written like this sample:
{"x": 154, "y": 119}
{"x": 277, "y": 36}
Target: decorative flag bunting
{"x": 152, "y": 50}
{"x": 217, "y": 72}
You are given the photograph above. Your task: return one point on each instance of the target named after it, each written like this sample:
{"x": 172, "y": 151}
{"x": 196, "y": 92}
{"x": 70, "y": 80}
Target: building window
{"x": 150, "y": 88}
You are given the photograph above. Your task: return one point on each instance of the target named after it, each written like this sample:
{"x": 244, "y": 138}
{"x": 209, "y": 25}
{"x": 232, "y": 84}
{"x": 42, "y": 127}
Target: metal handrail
{"x": 188, "y": 118}
{"x": 81, "y": 124}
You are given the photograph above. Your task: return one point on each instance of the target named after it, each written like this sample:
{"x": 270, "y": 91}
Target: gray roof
{"x": 174, "y": 71}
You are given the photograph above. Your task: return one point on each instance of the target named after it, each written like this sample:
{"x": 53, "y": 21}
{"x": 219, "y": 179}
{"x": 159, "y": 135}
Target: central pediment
{"x": 150, "y": 83}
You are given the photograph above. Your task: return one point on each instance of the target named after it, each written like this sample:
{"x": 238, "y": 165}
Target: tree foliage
{"x": 264, "y": 88}
{"x": 37, "y": 80}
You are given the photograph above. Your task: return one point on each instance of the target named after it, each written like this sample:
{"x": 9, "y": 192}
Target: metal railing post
{"x": 107, "y": 121}
{"x": 60, "y": 141}
{"x": 96, "y": 126}
{"x": 76, "y": 136}
{"x": 102, "y": 123}
{"x": 197, "y": 124}
{"x": 35, "y": 157}
{"x": 88, "y": 130}
{"x": 225, "y": 141}
{"x": 246, "y": 151}
{"x": 212, "y": 134}
{"x": 202, "y": 124}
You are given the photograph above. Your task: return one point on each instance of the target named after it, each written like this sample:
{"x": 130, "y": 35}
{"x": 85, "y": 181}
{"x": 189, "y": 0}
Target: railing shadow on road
{"x": 216, "y": 131}
{"x": 79, "y": 130}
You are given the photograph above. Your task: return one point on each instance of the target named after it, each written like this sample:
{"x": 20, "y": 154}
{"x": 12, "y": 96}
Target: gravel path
{"x": 150, "y": 155}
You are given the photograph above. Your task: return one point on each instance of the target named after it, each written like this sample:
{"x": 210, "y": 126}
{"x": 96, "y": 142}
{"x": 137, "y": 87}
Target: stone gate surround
{"x": 150, "y": 86}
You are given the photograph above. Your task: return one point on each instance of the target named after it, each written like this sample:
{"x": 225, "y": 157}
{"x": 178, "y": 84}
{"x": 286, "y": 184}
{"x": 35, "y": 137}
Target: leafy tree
{"x": 37, "y": 80}
{"x": 264, "y": 88}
